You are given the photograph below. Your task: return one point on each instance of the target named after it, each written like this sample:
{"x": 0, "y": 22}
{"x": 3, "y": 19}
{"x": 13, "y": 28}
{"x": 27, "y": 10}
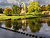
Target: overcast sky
{"x": 11, "y": 1}
{"x": 42, "y": 2}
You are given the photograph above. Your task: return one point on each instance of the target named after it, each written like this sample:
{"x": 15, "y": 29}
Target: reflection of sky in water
{"x": 45, "y": 29}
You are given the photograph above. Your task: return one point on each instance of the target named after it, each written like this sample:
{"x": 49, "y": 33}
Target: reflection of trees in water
{"x": 8, "y": 23}
{"x": 0, "y": 23}
{"x": 24, "y": 24}
{"x": 46, "y": 20}
{"x": 34, "y": 24}
{"x": 16, "y": 24}
{"x": 20, "y": 24}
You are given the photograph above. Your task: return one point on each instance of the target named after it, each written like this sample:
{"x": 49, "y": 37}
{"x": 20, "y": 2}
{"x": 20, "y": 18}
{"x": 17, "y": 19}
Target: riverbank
{"x": 4, "y": 17}
{"x": 15, "y": 17}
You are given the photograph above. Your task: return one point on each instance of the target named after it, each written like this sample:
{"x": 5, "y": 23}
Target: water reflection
{"x": 27, "y": 25}
{"x": 8, "y": 23}
{"x": 45, "y": 29}
{"x": 34, "y": 24}
{"x": 17, "y": 24}
{"x": 0, "y": 23}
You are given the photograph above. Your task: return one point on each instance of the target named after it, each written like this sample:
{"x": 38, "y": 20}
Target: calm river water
{"x": 35, "y": 25}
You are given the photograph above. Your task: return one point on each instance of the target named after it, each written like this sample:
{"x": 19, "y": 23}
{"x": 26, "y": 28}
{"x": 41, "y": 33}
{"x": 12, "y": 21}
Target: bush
{"x": 8, "y": 12}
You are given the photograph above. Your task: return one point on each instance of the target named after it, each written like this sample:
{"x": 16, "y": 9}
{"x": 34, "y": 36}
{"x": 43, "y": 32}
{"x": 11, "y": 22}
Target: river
{"x": 31, "y": 26}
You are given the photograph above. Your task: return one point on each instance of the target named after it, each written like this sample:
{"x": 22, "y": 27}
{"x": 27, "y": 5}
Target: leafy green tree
{"x": 33, "y": 7}
{"x": 16, "y": 10}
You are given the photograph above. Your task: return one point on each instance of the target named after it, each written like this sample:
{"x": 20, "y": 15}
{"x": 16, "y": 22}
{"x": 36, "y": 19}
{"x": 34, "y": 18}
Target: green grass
{"x": 15, "y": 17}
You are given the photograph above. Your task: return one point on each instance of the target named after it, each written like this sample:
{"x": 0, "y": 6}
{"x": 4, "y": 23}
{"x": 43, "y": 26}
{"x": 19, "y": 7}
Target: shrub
{"x": 8, "y": 11}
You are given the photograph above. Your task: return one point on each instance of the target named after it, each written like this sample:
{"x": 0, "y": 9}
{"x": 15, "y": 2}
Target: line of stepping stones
{"x": 30, "y": 35}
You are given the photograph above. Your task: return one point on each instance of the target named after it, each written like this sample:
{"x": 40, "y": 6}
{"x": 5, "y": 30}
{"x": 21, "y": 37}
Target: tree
{"x": 8, "y": 11}
{"x": 1, "y": 10}
{"x": 33, "y": 7}
{"x": 24, "y": 9}
{"x": 16, "y": 10}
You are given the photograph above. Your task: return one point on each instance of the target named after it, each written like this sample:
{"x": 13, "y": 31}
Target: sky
{"x": 41, "y": 2}
{"x": 8, "y": 1}
{"x": 44, "y": 2}
{"x": 14, "y": 1}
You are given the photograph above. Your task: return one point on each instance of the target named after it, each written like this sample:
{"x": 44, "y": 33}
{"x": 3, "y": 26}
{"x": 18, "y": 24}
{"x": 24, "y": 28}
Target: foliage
{"x": 46, "y": 12}
{"x": 48, "y": 7}
{"x": 33, "y": 7}
{"x": 43, "y": 8}
{"x": 1, "y": 10}
{"x": 16, "y": 10}
{"x": 8, "y": 11}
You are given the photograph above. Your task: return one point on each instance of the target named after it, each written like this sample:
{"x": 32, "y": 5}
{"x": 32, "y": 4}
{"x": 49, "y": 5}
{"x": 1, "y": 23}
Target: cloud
{"x": 11, "y": 1}
{"x": 44, "y": 2}
{"x": 15, "y": 1}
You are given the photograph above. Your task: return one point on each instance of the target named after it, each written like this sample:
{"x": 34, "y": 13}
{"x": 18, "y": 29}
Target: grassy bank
{"x": 4, "y": 17}
{"x": 15, "y": 17}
